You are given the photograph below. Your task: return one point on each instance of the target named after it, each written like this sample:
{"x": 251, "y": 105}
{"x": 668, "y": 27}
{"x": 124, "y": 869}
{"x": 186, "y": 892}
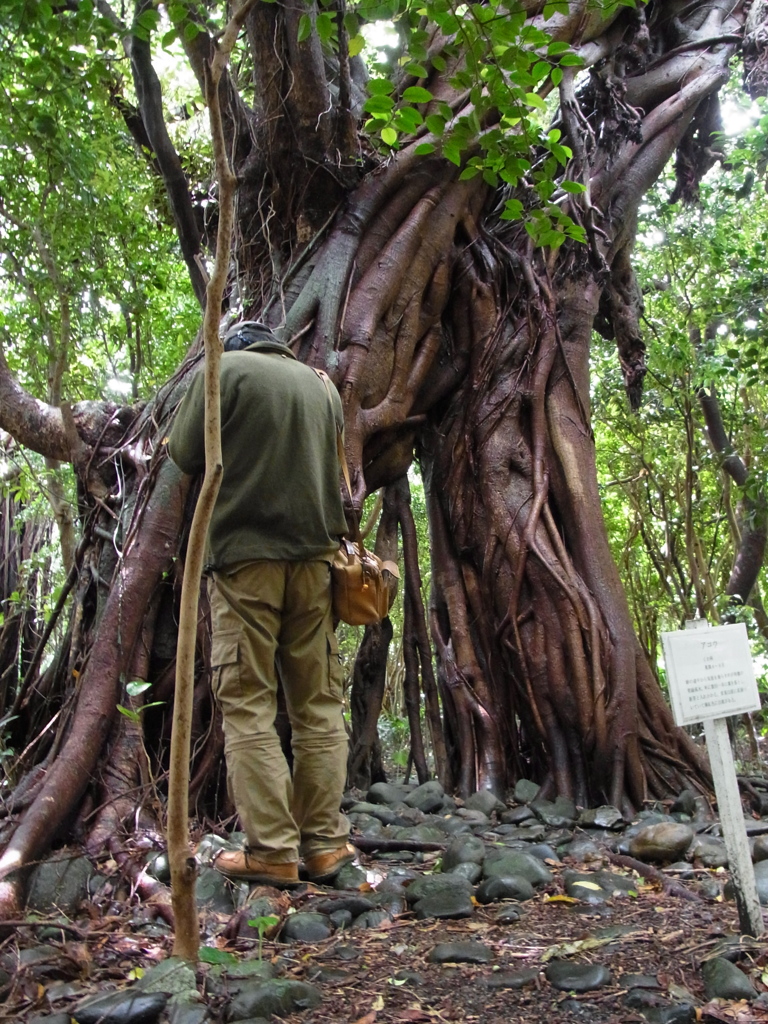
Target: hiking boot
{"x": 242, "y": 864}
{"x": 324, "y": 867}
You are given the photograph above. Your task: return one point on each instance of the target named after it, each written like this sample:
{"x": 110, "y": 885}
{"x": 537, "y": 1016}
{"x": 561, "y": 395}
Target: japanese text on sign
{"x": 710, "y": 673}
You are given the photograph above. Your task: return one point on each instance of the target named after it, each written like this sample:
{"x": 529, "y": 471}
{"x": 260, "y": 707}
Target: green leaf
{"x": 305, "y": 28}
{"x": 415, "y": 94}
{"x": 389, "y": 135}
{"x": 378, "y": 104}
{"x": 417, "y": 70}
{"x": 513, "y": 210}
{"x": 209, "y": 955}
{"x": 191, "y": 31}
{"x": 356, "y": 45}
{"x": 571, "y": 60}
{"x": 408, "y": 119}
{"x": 452, "y": 150}
{"x": 424, "y": 148}
{"x": 533, "y": 100}
{"x": 574, "y": 187}
{"x": 325, "y": 24}
{"x": 376, "y": 86}
{"x": 129, "y": 713}
{"x": 136, "y": 686}
{"x": 436, "y": 124}
{"x": 148, "y": 20}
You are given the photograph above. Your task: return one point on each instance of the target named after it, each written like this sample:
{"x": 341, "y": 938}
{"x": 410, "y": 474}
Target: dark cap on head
{"x": 245, "y": 333}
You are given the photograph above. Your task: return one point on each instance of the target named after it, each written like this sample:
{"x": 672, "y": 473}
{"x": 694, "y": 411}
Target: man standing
{"x": 275, "y": 527}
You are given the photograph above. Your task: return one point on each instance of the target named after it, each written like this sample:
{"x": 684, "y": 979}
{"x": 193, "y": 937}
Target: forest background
{"x": 100, "y": 301}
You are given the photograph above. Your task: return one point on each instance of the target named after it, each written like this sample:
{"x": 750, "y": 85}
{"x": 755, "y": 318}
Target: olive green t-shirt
{"x": 279, "y": 496}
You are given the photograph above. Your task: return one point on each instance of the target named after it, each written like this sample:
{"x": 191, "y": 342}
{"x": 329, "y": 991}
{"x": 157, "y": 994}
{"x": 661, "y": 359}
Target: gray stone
{"x": 475, "y": 818}
{"x": 508, "y": 915}
{"x": 644, "y": 981}
{"x": 396, "y": 881}
{"x": 278, "y": 997}
{"x": 559, "y": 813}
{"x": 517, "y": 815}
{"x": 350, "y": 877}
{"x": 366, "y": 825}
{"x": 381, "y": 812}
{"x": 159, "y": 867}
{"x": 340, "y": 919}
{"x": 573, "y": 977}
{"x": 306, "y": 927}
{"x": 685, "y": 803}
{"x": 445, "y": 905}
{"x": 428, "y": 885}
{"x": 581, "y": 850}
{"x": 49, "y": 1018}
{"x": 525, "y": 791}
{"x": 371, "y": 919}
{"x": 409, "y": 977}
{"x": 187, "y": 1009}
{"x": 486, "y": 801}
{"x": 665, "y": 841}
{"x": 419, "y": 833}
{"x": 386, "y": 793}
{"x": 514, "y": 862}
{"x": 601, "y": 817}
{"x": 460, "y": 953}
{"x": 464, "y": 849}
{"x": 452, "y": 825}
{"x": 125, "y": 1006}
{"x": 426, "y": 797}
{"x": 172, "y": 976}
{"x": 672, "y": 1013}
{"x": 761, "y": 883}
{"x": 582, "y": 885}
{"x": 355, "y": 903}
{"x": 472, "y": 872}
{"x": 210, "y": 845}
{"x": 59, "y": 884}
{"x": 724, "y": 980}
{"x": 760, "y": 848}
{"x": 708, "y": 851}
{"x": 213, "y": 891}
{"x": 228, "y": 979}
{"x": 709, "y": 888}
{"x": 527, "y": 833}
{"x": 504, "y": 887}
{"x": 512, "y": 979}
{"x": 543, "y": 851}
{"x": 393, "y": 903}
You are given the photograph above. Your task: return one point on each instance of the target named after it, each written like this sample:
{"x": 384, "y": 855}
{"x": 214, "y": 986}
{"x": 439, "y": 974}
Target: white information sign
{"x": 710, "y": 673}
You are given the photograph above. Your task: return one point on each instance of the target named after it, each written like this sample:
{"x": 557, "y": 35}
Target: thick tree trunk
{"x": 449, "y": 337}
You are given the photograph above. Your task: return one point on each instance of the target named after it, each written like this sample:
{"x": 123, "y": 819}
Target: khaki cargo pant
{"x": 270, "y": 617}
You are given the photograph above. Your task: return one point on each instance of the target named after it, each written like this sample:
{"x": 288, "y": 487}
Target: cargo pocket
{"x": 335, "y": 673}
{"x": 225, "y": 665}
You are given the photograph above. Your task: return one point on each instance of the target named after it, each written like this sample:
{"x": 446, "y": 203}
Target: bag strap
{"x": 341, "y": 455}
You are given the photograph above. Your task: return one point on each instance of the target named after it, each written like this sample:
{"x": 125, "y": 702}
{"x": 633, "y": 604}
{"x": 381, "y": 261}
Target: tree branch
{"x": 149, "y": 93}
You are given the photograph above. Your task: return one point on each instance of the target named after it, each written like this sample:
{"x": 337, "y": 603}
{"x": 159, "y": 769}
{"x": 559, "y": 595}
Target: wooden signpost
{"x": 710, "y": 677}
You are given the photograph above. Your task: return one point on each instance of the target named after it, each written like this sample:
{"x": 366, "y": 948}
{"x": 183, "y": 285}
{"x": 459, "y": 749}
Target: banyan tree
{"x": 442, "y": 235}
